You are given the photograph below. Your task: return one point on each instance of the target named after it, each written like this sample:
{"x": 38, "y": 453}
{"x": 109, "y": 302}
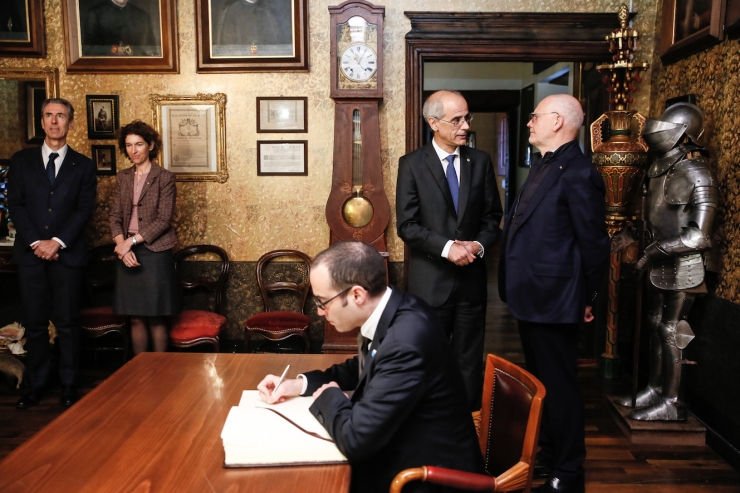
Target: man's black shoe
{"x": 69, "y": 395}
{"x": 542, "y": 467}
{"x": 556, "y": 485}
{"x": 31, "y": 398}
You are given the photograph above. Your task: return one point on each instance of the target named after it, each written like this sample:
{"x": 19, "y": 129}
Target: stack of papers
{"x": 255, "y": 436}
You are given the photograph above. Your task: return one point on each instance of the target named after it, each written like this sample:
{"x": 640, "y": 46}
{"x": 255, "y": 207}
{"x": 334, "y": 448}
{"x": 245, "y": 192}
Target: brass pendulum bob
{"x": 357, "y": 210}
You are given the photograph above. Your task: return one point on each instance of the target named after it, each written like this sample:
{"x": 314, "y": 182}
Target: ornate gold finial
{"x": 624, "y": 16}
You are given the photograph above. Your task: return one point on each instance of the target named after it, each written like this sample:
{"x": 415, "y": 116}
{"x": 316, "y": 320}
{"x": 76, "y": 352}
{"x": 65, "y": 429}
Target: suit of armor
{"x": 682, "y": 197}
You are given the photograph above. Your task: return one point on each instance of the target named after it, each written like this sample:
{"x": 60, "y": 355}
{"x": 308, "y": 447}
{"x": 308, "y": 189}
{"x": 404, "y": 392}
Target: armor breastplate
{"x": 669, "y": 210}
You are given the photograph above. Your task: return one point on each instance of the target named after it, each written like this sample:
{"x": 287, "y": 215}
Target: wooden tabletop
{"x": 155, "y": 425}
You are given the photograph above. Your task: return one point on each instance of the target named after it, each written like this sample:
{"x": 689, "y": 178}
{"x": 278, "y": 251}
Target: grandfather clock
{"x": 357, "y": 207}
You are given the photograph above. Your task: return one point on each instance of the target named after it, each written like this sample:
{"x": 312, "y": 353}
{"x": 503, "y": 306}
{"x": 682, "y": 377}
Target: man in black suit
{"x": 448, "y": 215}
{"x": 51, "y": 195}
{"x": 408, "y": 407}
{"x": 554, "y": 251}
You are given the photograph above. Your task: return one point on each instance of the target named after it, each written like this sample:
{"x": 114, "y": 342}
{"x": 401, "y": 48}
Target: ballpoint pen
{"x": 282, "y": 377}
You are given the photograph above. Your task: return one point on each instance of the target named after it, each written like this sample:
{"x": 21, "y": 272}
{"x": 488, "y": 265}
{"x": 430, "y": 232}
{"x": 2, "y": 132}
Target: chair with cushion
{"x": 99, "y": 320}
{"x": 194, "y": 327}
{"x": 510, "y": 425}
{"x": 279, "y": 322}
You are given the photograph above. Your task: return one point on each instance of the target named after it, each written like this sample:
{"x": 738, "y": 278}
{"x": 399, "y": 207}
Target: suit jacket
{"x": 409, "y": 407}
{"x": 41, "y": 211}
{"x": 556, "y": 258}
{"x": 156, "y": 207}
{"x": 426, "y": 221}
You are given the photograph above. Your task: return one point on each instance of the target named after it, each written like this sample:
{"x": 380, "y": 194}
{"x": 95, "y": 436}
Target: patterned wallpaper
{"x": 252, "y": 214}
{"x": 714, "y": 76}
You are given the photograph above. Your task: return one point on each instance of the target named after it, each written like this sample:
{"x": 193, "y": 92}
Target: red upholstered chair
{"x": 98, "y": 320}
{"x": 276, "y": 325}
{"x": 193, "y": 327}
{"x": 510, "y": 425}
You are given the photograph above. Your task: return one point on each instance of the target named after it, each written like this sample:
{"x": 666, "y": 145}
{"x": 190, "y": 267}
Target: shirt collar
{"x": 46, "y": 151}
{"x": 552, "y": 154}
{"x": 371, "y": 324}
{"x": 441, "y": 153}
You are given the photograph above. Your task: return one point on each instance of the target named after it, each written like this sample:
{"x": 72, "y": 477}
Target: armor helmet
{"x": 676, "y": 121}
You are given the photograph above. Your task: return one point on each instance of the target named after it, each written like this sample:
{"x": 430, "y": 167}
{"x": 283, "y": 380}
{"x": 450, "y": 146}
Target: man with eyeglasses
{"x": 448, "y": 212}
{"x": 408, "y": 407}
{"x": 554, "y": 253}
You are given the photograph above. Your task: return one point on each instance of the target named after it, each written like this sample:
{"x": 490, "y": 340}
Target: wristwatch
{"x": 133, "y": 240}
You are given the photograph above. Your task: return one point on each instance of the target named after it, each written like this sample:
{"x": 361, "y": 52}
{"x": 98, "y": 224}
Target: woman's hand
{"x": 129, "y": 259}
{"x": 123, "y": 248}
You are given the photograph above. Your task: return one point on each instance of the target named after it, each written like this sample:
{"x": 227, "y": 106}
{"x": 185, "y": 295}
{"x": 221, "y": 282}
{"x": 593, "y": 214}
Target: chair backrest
{"x": 510, "y": 417}
{"x": 215, "y": 283}
{"x": 271, "y": 281}
{"x": 100, "y": 274}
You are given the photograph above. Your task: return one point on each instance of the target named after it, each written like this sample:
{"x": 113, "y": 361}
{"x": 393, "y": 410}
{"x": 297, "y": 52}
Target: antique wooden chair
{"x": 281, "y": 323}
{"x": 194, "y": 327}
{"x": 98, "y": 320}
{"x": 510, "y": 425}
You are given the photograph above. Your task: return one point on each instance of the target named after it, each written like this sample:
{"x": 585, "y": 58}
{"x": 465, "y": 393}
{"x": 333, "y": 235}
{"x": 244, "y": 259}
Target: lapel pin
{"x": 468, "y": 159}
{"x": 372, "y": 353}
{"x": 561, "y": 167}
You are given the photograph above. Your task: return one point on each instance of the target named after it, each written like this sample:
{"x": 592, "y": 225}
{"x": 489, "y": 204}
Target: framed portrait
{"x": 732, "y": 18}
{"x": 102, "y": 116}
{"x": 261, "y": 36}
{"x": 121, "y": 36}
{"x": 35, "y": 96}
{"x": 282, "y": 157}
{"x": 22, "y": 28}
{"x": 282, "y": 115}
{"x": 105, "y": 159}
{"x": 193, "y": 131}
{"x": 690, "y": 26}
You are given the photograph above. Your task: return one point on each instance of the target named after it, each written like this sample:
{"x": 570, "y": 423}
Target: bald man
{"x": 554, "y": 253}
{"x": 448, "y": 211}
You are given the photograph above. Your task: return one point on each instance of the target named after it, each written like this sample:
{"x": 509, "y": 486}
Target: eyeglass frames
{"x": 457, "y": 122}
{"x": 323, "y": 304}
{"x": 533, "y": 116}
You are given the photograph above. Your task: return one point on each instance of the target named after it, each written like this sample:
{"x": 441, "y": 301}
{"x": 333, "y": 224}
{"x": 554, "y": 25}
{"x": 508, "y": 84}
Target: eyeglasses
{"x": 323, "y": 304}
{"x": 533, "y": 116}
{"x": 457, "y": 122}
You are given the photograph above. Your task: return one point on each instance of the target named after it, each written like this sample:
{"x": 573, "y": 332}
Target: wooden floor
{"x": 612, "y": 464}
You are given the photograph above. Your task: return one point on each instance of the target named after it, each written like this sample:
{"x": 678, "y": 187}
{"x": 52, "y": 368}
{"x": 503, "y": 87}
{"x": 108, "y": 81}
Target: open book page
{"x": 253, "y": 435}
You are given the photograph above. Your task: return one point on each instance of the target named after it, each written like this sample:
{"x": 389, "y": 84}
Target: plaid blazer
{"x": 156, "y": 207}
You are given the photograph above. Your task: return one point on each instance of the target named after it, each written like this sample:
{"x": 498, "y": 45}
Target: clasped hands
{"x": 290, "y": 387}
{"x": 47, "y": 249}
{"x": 123, "y": 250}
{"x": 463, "y": 252}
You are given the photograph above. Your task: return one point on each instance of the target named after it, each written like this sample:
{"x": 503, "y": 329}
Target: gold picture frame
{"x": 193, "y": 131}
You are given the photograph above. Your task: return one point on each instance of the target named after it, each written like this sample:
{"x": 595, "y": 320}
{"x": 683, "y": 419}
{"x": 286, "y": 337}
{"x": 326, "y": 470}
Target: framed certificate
{"x": 282, "y": 157}
{"x": 193, "y": 135}
{"x": 282, "y": 115}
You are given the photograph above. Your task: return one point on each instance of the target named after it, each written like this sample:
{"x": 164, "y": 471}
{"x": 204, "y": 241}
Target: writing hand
{"x": 459, "y": 255}
{"x": 289, "y": 388}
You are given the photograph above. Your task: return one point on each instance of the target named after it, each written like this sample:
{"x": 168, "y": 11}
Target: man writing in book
{"x": 409, "y": 407}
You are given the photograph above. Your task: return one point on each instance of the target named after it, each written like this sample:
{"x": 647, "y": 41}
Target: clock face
{"x": 358, "y": 62}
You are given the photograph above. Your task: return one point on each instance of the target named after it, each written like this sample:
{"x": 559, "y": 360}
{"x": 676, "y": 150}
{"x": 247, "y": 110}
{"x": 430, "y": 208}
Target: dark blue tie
{"x": 452, "y": 179}
{"x": 51, "y": 167}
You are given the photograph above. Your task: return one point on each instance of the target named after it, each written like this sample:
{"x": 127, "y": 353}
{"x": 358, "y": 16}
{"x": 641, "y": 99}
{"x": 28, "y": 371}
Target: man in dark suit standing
{"x": 51, "y": 195}
{"x": 448, "y": 212}
{"x": 408, "y": 407}
{"x": 554, "y": 251}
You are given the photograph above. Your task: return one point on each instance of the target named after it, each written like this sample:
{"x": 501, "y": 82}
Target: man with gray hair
{"x": 448, "y": 212}
{"x": 554, "y": 251}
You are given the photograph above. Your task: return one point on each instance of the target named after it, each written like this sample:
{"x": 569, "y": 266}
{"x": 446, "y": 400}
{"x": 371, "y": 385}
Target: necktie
{"x": 51, "y": 167}
{"x": 452, "y": 179}
{"x": 362, "y": 343}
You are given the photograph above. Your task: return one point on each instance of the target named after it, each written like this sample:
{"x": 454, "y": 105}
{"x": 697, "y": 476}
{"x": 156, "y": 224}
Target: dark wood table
{"x": 155, "y": 426}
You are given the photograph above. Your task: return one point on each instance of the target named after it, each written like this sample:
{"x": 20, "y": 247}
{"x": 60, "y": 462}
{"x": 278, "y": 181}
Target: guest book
{"x": 257, "y": 434}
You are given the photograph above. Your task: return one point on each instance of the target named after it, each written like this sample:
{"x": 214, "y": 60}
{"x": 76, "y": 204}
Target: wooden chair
{"x": 510, "y": 425}
{"x": 193, "y": 327}
{"x": 99, "y": 320}
{"x": 276, "y": 325}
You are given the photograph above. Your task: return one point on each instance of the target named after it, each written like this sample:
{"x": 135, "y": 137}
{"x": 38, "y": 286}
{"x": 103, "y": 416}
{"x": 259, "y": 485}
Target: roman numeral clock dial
{"x": 359, "y": 62}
